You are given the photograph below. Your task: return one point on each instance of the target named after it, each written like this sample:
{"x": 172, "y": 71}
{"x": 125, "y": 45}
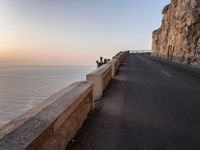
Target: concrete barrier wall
{"x": 115, "y": 65}
{"x": 120, "y": 56}
{"x": 51, "y": 125}
{"x": 102, "y": 75}
{"x": 107, "y": 77}
{"x": 100, "y": 78}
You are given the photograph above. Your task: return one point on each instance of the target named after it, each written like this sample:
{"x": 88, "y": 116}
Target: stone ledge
{"x": 114, "y": 63}
{"x": 102, "y": 75}
{"x": 100, "y": 78}
{"x": 101, "y": 70}
{"x": 42, "y": 124}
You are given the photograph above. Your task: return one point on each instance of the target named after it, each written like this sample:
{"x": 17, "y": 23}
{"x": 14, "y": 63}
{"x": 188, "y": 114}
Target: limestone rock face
{"x": 178, "y": 38}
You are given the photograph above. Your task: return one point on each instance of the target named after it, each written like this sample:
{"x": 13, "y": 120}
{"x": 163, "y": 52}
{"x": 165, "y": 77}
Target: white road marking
{"x": 167, "y": 74}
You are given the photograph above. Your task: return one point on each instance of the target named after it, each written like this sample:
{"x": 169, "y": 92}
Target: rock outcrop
{"x": 178, "y": 38}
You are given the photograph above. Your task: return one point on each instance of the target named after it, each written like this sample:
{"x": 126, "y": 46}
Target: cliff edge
{"x": 178, "y": 38}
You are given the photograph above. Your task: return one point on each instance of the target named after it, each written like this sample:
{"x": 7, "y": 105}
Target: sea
{"x": 24, "y": 87}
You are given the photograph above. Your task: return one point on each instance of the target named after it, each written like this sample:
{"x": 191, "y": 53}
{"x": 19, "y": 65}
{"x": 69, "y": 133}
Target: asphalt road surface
{"x": 149, "y": 105}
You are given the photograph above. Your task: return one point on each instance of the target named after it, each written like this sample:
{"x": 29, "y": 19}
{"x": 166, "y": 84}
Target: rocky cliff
{"x": 178, "y": 38}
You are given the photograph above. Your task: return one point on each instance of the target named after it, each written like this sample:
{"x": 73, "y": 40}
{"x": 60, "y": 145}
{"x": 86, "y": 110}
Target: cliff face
{"x": 178, "y": 38}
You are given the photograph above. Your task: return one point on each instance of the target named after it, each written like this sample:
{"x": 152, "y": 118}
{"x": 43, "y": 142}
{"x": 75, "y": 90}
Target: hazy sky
{"x": 74, "y": 31}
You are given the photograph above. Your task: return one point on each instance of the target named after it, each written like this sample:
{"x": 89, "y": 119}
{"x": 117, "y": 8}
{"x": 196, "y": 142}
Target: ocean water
{"x": 23, "y": 87}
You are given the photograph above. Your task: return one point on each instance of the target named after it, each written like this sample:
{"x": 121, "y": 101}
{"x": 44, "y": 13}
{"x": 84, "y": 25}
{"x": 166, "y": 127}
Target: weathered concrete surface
{"x": 149, "y": 105}
{"x": 102, "y": 75}
{"x": 100, "y": 78}
{"x": 52, "y": 124}
{"x": 178, "y": 38}
{"x": 114, "y": 63}
{"x": 120, "y": 56}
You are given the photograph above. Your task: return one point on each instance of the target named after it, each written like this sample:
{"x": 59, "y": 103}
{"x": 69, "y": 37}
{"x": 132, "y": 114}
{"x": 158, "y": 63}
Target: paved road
{"x": 149, "y": 105}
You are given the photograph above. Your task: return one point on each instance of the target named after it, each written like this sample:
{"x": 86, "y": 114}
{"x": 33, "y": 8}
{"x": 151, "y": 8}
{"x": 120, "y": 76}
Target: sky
{"x": 74, "y": 32}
